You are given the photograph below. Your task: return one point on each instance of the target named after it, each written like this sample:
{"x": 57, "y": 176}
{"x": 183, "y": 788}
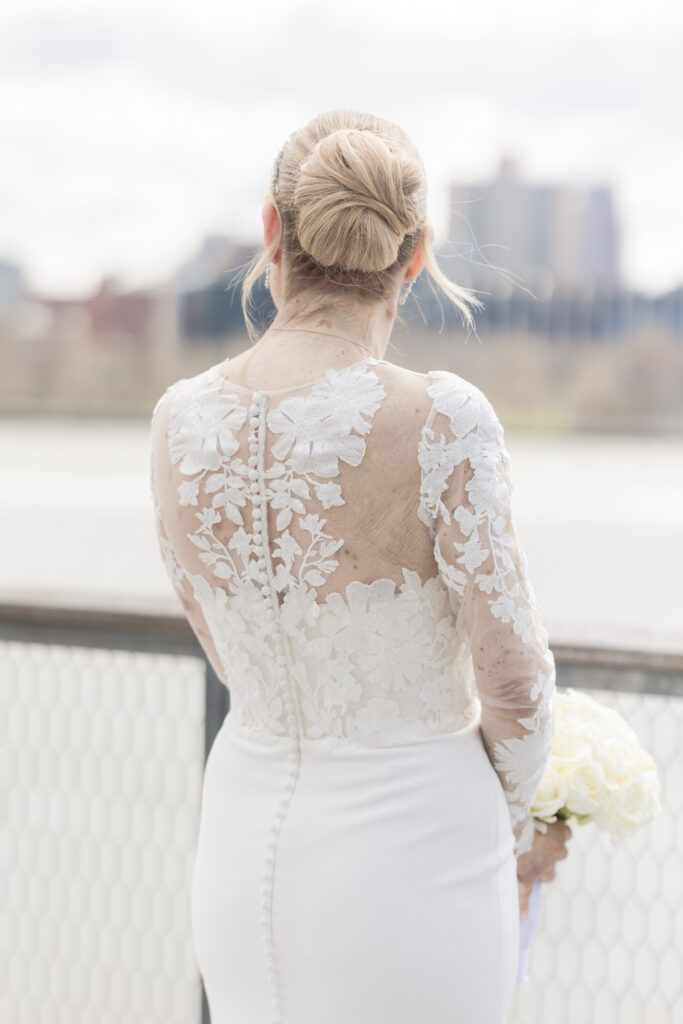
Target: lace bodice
{"x": 346, "y": 555}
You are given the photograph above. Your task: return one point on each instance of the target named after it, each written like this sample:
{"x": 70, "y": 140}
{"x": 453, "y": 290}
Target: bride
{"x": 339, "y": 532}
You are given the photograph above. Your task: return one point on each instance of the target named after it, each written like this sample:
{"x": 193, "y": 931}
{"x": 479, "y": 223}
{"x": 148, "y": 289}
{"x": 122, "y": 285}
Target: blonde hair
{"x": 350, "y": 190}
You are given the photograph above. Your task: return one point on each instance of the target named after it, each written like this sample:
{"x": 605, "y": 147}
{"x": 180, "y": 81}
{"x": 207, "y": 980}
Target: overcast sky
{"x": 130, "y": 130}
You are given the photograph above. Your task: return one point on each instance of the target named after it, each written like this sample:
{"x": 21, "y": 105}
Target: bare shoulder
{"x": 426, "y": 395}
{"x": 408, "y": 388}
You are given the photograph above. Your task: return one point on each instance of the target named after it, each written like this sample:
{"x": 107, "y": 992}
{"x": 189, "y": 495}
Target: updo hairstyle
{"x": 351, "y": 194}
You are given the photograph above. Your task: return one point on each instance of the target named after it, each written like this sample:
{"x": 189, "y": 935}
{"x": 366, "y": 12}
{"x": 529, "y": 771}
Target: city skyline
{"x": 130, "y": 134}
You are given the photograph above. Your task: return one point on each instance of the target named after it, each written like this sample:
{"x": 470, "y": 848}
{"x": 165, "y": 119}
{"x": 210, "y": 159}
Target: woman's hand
{"x": 539, "y": 862}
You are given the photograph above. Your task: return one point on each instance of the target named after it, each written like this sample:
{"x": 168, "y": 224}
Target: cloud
{"x": 39, "y": 46}
{"x": 171, "y": 116}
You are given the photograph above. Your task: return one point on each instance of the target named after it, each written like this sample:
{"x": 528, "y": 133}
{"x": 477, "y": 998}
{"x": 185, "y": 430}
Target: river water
{"x": 600, "y": 518}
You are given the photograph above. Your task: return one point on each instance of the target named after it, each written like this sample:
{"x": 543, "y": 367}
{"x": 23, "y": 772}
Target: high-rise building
{"x": 548, "y": 238}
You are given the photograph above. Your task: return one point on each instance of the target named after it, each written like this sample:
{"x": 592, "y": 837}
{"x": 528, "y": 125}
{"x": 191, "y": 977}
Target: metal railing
{"x": 107, "y": 718}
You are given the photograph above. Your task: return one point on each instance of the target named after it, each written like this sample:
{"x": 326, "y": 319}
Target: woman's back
{"x": 345, "y": 475}
{"x": 344, "y": 549}
{"x": 341, "y": 548}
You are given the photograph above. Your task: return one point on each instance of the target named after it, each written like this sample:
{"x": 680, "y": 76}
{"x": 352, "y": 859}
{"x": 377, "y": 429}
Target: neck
{"x": 366, "y": 327}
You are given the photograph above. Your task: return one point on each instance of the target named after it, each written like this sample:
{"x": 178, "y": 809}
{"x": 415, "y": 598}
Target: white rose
{"x": 569, "y": 748}
{"x": 630, "y": 805}
{"x": 575, "y": 703}
{"x": 619, "y": 757}
{"x": 586, "y": 787}
{"x": 609, "y": 777}
{"x": 645, "y": 761}
{"x": 551, "y": 794}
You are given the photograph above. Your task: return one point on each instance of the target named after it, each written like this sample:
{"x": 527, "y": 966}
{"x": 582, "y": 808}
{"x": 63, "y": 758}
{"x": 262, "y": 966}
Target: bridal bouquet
{"x": 598, "y": 771}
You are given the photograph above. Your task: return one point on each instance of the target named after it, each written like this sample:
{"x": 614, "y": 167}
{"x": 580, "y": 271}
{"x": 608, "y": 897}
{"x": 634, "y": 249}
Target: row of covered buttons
{"x": 259, "y": 514}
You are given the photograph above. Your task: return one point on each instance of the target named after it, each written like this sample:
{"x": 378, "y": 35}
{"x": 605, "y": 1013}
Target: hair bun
{"x": 355, "y": 201}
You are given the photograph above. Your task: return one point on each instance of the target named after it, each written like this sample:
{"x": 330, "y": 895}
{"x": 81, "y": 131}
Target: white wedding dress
{"x": 345, "y": 552}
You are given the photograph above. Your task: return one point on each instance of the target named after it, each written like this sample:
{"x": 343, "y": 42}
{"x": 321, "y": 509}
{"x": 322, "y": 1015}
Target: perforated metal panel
{"x": 609, "y": 941}
{"x": 101, "y": 760}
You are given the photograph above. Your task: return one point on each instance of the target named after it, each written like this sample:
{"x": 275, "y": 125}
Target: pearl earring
{"x": 405, "y": 292}
{"x": 268, "y": 275}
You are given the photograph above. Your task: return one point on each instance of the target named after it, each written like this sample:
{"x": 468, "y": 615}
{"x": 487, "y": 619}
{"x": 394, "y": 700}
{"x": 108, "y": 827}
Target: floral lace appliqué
{"x": 376, "y": 663}
{"x": 484, "y": 567}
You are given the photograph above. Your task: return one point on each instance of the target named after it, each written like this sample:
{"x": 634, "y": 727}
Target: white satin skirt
{"x": 378, "y": 886}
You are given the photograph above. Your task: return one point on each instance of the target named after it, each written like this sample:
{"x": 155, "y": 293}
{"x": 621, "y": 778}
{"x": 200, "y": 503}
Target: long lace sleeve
{"x": 466, "y": 502}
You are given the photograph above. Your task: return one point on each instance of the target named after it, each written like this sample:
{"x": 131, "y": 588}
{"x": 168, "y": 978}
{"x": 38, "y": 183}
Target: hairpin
{"x": 276, "y": 167}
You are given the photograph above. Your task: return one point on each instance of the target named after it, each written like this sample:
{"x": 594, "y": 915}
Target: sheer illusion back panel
{"x": 341, "y": 476}
{"x": 372, "y": 509}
